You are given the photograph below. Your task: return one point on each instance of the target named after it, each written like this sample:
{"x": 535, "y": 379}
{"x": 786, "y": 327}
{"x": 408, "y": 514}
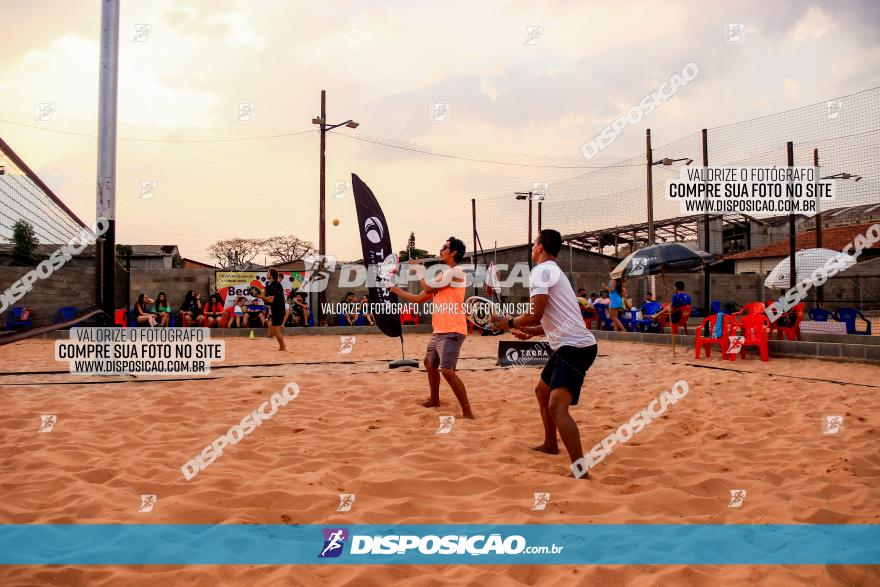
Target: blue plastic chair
{"x": 848, "y": 316}
{"x": 604, "y": 319}
{"x": 64, "y": 314}
{"x": 14, "y": 321}
{"x": 628, "y": 319}
{"x": 647, "y": 309}
{"x": 820, "y": 315}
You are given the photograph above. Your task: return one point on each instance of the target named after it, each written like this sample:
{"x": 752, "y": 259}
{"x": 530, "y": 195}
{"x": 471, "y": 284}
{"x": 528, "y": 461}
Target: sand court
{"x": 356, "y": 427}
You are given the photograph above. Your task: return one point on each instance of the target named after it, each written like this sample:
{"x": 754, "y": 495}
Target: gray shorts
{"x": 443, "y": 349}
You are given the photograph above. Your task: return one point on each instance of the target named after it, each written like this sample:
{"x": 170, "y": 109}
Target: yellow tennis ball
{"x": 336, "y": 222}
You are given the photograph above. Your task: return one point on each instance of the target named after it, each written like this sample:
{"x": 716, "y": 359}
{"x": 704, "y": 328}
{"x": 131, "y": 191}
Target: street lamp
{"x": 820, "y": 291}
{"x": 531, "y": 196}
{"x": 322, "y": 238}
{"x": 851, "y": 176}
{"x": 667, "y": 161}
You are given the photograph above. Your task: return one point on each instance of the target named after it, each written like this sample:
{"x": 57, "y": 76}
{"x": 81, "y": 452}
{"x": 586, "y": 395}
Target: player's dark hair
{"x": 273, "y": 273}
{"x": 551, "y": 240}
{"x": 679, "y": 285}
{"x": 457, "y": 248}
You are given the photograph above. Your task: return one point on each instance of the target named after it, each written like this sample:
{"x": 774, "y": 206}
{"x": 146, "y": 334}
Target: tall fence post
{"x": 820, "y": 292}
{"x": 650, "y": 159}
{"x": 707, "y": 295}
{"x": 474, "y": 253}
{"x": 792, "y": 265}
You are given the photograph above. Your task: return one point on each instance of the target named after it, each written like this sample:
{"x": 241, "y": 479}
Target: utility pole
{"x": 529, "y": 196}
{"x": 322, "y": 190}
{"x": 539, "y": 215}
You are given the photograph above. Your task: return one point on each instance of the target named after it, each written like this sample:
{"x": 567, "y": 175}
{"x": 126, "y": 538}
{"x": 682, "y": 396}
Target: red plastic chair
{"x": 682, "y": 321}
{"x": 589, "y": 319}
{"x": 792, "y": 332}
{"x": 410, "y": 318}
{"x": 750, "y": 309}
{"x": 723, "y": 342}
{"x": 120, "y": 317}
{"x": 228, "y": 313}
{"x": 755, "y": 328}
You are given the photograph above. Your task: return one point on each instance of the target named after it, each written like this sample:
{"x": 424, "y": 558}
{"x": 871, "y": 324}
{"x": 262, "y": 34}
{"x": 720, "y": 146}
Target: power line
{"x": 473, "y": 160}
{"x": 231, "y": 140}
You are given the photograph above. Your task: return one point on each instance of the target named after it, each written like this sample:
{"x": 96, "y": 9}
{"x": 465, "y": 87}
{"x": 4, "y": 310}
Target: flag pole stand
{"x": 402, "y": 361}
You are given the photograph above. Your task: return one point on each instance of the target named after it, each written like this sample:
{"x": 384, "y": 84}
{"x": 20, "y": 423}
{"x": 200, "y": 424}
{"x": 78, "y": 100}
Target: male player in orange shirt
{"x": 449, "y": 324}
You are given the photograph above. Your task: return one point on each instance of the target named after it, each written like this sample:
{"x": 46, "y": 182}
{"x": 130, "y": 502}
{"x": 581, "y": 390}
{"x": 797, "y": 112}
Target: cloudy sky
{"x": 385, "y": 64}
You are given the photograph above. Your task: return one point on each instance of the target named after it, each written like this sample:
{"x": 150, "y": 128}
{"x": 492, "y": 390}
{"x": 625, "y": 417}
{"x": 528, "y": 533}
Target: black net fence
{"x": 47, "y": 254}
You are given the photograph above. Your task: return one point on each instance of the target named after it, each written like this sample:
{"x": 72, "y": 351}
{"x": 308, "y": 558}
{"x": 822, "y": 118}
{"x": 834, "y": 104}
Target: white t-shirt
{"x": 563, "y": 322}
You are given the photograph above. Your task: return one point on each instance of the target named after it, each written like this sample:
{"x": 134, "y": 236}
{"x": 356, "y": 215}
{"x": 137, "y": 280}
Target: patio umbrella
{"x": 661, "y": 258}
{"x": 806, "y": 262}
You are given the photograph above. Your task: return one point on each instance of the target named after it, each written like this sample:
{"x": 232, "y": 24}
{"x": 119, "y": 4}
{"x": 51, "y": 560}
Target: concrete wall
{"x": 75, "y": 286}
{"x": 174, "y": 282}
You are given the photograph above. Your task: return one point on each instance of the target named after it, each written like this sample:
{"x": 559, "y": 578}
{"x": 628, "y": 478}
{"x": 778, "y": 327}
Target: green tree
{"x": 412, "y": 250}
{"x": 24, "y": 244}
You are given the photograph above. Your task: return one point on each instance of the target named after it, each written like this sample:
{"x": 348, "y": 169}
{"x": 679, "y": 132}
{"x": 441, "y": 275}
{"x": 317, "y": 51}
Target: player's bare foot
{"x": 431, "y": 403}
{"x": 550, "y": 450}
{"x": 468, "y": 414}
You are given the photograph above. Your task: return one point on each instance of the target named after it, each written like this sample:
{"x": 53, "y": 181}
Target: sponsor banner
{"x": 523, "y": 353}
{"x": 233, "y": 284}
{"x": 473, "y": 544}
{"x": 377, "y": 250}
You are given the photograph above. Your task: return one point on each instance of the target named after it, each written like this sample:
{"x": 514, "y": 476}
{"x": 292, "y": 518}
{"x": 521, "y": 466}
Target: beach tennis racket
{"x": 482, "y": 313}
{"x": 387, "y": 270}
{"x": 254, "y": 291}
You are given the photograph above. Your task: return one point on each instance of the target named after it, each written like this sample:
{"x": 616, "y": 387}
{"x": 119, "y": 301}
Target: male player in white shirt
{"x": 555, "y": 313}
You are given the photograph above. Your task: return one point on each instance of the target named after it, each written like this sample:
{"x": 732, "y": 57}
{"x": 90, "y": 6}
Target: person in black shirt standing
{"x": 274, "y": 296}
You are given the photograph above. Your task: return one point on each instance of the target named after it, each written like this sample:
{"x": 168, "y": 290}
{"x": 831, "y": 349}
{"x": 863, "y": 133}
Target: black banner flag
{"x": 376, "y": 246}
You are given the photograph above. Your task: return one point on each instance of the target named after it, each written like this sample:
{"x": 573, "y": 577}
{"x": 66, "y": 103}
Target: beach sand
{"x": 357, "y": 427}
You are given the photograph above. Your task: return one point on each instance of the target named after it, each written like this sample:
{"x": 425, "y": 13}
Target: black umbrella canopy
{"x": 663, "y": 258}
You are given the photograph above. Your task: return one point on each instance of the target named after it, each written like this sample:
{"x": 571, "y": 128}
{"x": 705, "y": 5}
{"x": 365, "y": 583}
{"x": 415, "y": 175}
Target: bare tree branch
{"x": 287, "y": 248}
{"x": 236, "y": 254}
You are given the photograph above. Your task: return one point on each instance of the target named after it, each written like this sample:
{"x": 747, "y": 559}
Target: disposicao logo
{"x": 334, "y": 541}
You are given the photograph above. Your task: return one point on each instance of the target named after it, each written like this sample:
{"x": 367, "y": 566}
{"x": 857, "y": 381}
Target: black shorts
{"x": 567, "y": 368}
{"x": 277, "y": 317}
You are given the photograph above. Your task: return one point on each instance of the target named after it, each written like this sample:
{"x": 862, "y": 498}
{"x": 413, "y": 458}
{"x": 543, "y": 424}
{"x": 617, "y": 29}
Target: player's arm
{"x": 266, "y": 298}
{"x": 419, "y": 298}
{"x": 529, "y": 319}
{"x": 427, "y": 291}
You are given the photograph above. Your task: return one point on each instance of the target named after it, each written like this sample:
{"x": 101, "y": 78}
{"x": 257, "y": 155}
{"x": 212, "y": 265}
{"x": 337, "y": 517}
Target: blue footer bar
{"x": 233, "y": 544}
